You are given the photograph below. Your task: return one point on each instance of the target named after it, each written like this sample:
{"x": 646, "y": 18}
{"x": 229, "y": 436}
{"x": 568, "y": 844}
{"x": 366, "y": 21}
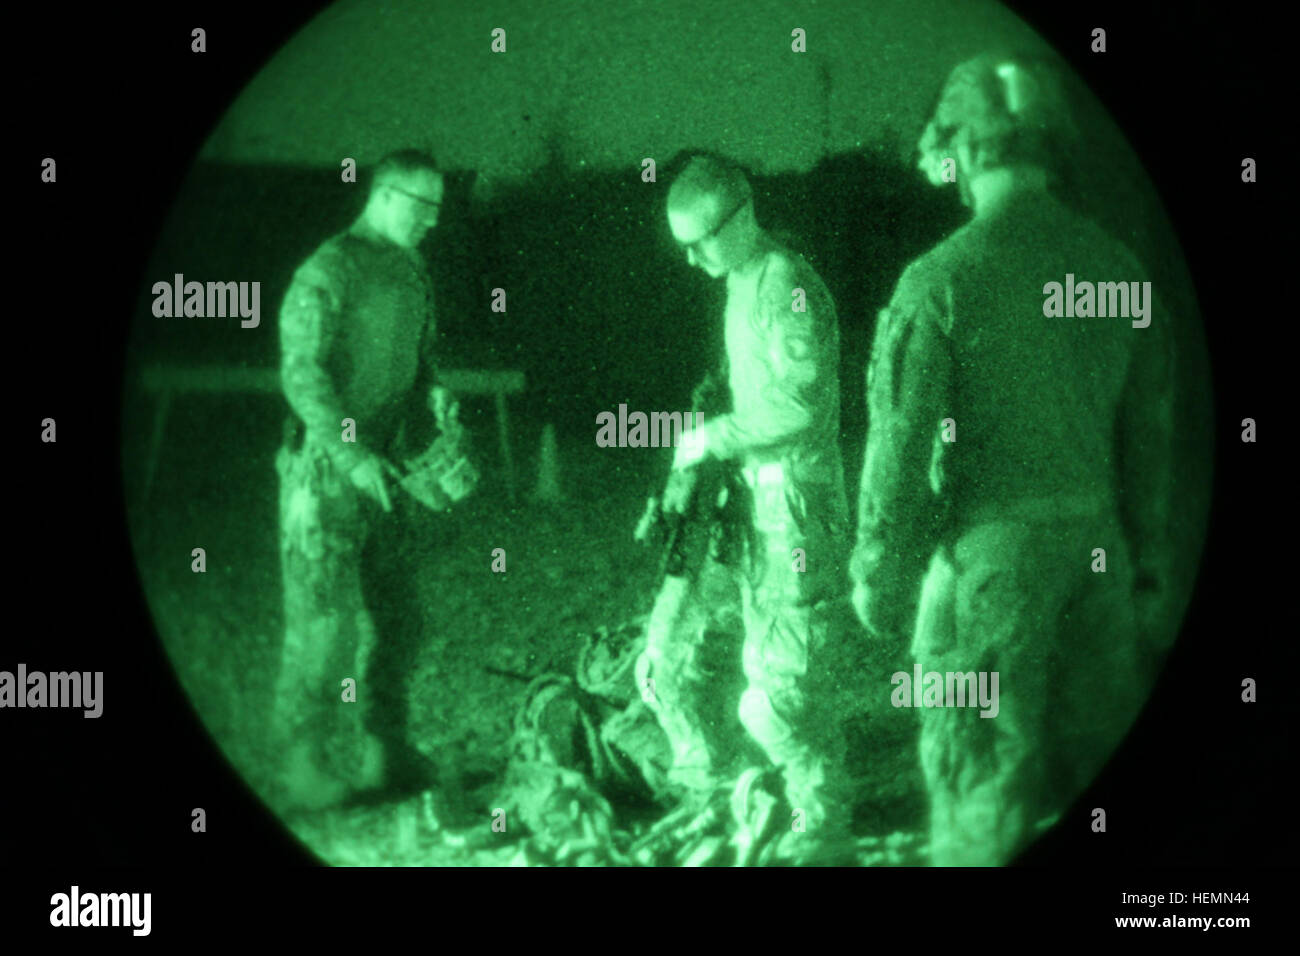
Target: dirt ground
{"x": 572, "y": 567}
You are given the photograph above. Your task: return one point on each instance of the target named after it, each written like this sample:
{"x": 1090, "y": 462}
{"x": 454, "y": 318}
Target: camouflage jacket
{"x": 783, "y": 354}
{"x": 977, "y": 400}
{"x": 357, "y": 334}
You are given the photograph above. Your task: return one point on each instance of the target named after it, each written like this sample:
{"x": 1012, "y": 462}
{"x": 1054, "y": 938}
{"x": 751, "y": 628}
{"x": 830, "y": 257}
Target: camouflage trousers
{"x": 1020, "y": 598}
{"x": 689, "y": 673}
{"x": 791, "y": 658}
{"x": 339, "y": 552}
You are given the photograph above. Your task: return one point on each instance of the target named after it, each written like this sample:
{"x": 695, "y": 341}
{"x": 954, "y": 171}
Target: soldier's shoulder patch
{"x": 791, "y": 294}
{"x": 894, "y": 326}
{"x": 780, "y": 272}
{"x": 924, "y": 293}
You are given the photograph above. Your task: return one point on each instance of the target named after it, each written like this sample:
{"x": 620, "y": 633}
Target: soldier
{"x": 692, "y": 656}
{"x": 782, "y": 343}
{"x": 1004, "y": 447}
{"x": 357, "y": 337}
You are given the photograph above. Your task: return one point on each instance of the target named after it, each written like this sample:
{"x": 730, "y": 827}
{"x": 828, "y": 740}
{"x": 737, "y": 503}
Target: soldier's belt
{"x": 765, "y": 473}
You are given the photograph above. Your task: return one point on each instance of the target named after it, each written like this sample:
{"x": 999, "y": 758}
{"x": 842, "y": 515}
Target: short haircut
{"x": 708, "y": 174}
{"x": 403, "y": 163}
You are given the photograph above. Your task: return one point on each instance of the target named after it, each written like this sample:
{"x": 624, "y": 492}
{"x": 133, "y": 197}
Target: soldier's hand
{"x": 692, "y": 449}
{"x": 444, "y": 406}
{"x": 369, "y": 478}
{"x": 677, "y": 493}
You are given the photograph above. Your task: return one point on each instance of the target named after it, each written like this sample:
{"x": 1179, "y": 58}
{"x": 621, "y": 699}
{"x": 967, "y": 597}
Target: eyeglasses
{"x": 420, "y": 199}
{"x": 695, "y": 246}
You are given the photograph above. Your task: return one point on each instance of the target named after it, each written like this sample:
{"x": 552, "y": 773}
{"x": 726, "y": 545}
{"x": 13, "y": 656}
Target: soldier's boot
{"x": 818, "y": 831}
{"x": 818, "y": 824}
{"x": 758, "y": 810}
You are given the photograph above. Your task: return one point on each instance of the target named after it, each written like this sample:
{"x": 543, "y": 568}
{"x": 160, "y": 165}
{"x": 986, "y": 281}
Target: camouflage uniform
{"x": 784, "y": 430}
{"x": 686, "y": 669}
{"x": 357, "y": 335}
{"x": 1062, "y": 446}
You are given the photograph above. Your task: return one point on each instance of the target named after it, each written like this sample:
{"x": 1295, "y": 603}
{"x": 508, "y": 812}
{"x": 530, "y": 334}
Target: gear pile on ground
{"x": 583, "y": 747}
{"x": 586, "y": 785}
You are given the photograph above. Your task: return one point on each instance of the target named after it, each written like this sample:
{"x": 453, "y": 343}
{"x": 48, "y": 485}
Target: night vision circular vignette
{"x": 558, "y": 435}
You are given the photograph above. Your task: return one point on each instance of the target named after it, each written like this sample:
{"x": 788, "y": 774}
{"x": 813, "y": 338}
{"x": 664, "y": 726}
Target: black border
{"x": 1193, "y": 87}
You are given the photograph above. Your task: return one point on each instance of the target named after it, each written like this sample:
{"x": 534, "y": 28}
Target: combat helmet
{"x": 1012, "y": 108}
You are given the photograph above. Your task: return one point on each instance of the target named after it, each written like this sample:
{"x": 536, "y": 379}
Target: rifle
{"x": 703, "y": 515}
{"x": 702, "y": 527}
